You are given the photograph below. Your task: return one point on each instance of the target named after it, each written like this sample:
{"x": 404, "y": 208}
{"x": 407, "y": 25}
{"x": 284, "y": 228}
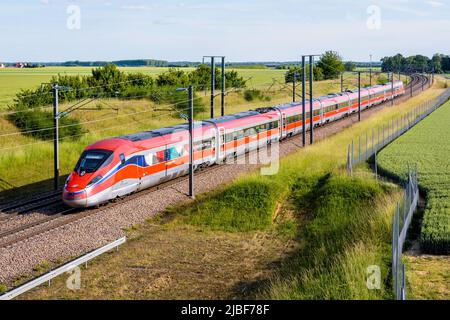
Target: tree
{"x": 331, "y": 65}
{"x": 173, "y": 77}
{"x": 289, "y": 75}
{"x": 349, "y": 66}
{"x": 436, "y": 63}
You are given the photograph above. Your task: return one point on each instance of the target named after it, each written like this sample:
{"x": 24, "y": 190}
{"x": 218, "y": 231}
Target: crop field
{"x": 427, "y": 146}
{"x": 106, "y": 118}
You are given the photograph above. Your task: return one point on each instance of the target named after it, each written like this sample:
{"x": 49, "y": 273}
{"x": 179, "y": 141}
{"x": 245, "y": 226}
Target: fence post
{"x": 394, "y": 255}
{"x": 349, "y": 164}
{"x": 376, "y": 165}
{"x": 353, "y": 153}
{"x": 367, "y": 151}
{"x": 373, "y": 140}
{"x": 359, "y": 149}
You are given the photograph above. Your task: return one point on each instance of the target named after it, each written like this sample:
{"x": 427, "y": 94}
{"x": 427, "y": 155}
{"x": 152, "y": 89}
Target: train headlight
{"x": 67, "y": 180}
{"x": 94, "y": 181}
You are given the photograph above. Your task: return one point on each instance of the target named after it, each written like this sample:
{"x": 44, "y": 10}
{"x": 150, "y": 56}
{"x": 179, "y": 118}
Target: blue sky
{"x": 256, "y": 30}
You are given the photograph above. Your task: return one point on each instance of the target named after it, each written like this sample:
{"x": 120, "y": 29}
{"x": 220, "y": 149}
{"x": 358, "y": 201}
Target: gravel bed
{"x": 107, "y": 224}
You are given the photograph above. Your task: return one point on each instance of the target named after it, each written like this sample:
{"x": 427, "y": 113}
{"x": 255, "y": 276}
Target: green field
{"x": 426, "y": 146}
{"x": 12, "y": 79}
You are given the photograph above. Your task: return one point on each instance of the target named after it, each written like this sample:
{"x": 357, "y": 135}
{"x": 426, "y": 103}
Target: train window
{"x": 175, "y": 152}
{"x": 91, "y": 160}
{"x": 154, "y": 157}
{"x": 239, "y": 134}
{"x": 203, "y": 145}
{"x": 229, "y": 137}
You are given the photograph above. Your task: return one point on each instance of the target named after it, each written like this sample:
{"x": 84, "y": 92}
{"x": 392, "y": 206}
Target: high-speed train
{"x": 119, "y": 166}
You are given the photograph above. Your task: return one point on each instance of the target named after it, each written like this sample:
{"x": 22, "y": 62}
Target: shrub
{"x": 254, "y": 94}
{"x": 3, "y": 288}
{"x": 38, "y": 123}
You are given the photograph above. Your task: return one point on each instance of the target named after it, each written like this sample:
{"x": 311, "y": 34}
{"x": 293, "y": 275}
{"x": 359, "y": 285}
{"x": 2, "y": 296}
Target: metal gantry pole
{"x": 359, "y": 95}
{"x": 56, "y": 135}
{"x": 392, "y": 89}
{"x": 213, "y": 84}
{"x": 191, "y": 142}
{"x": 342, "y": 82}
{"x": 303, "y": 101}
{"x": 370, "y": 70}
{"x": 311, "y": 103}
{"x": 223, "y": 87}
{"x": 293, "y": 86}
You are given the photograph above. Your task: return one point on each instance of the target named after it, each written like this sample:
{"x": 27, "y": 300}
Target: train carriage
{"x": 119, "y": 166}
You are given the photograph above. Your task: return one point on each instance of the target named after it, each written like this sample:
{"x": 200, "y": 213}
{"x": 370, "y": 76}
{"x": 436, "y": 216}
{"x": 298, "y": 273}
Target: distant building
{"x": 21, "y": 65}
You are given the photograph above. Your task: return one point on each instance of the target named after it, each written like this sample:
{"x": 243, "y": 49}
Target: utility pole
{"x": 392, "y": 89}
{"x": 190, "y": 119}
{"x": 359, "y": 95}
{"x": 294, "y": 86}
{"x": 303, "y": 101}
{"x": 411, "y": 85}
{"x": 342, "y": 82}
{"x": 370, "y": 70}
{"x": 56, "y": 135}
{"x": 213, "y": 84}
{"x": 311, "y": 100}
{"x": 223, "y": 88}
{"x": 191, "y": 142}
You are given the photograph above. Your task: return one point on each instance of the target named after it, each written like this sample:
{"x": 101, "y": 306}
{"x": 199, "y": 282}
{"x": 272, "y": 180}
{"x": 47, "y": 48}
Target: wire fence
{"x": 400, "y": 225}
{"x": 369, "y": 144}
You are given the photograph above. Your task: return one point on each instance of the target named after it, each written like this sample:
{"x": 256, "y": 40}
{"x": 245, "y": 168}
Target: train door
{"x": 127, "y": 178}
{"x": 321, "y": 112}
{"x": 177, "y": 159}
{"x": 283, "y": 132}
{"x": 221, "y": 150}
{"x": 153, "y": 170}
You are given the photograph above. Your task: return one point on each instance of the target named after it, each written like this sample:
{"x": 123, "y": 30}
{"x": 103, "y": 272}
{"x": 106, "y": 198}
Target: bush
{"x": 3, "y": 288}
{"x": 36, "y": 123}
{"x": 253, "y": 94}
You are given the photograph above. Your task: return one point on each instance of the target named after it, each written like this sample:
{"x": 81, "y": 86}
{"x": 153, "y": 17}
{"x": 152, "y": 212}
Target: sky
{"x": 242, "y": 30}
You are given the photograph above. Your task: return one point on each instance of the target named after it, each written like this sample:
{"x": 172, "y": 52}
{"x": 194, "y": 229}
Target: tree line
{"x": 439, "y": 63}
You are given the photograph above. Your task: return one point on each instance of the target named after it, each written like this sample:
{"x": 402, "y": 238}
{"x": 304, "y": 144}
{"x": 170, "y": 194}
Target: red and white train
{"x": 119, "y": 166}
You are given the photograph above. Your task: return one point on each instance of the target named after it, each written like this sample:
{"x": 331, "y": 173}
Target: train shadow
{"x": 10, "y": 193}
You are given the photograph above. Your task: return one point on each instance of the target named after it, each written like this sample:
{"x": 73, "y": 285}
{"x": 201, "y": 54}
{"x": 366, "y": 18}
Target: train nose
{"x": 77, "y": 199}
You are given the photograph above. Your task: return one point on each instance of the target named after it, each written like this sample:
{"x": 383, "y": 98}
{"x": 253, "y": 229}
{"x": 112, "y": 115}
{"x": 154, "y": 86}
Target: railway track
{"x": 59, "y": 215}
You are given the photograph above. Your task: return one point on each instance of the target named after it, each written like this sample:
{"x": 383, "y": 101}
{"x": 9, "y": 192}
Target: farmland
{"x": 113, "y": 117}
{"x": 427, "y": 147}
